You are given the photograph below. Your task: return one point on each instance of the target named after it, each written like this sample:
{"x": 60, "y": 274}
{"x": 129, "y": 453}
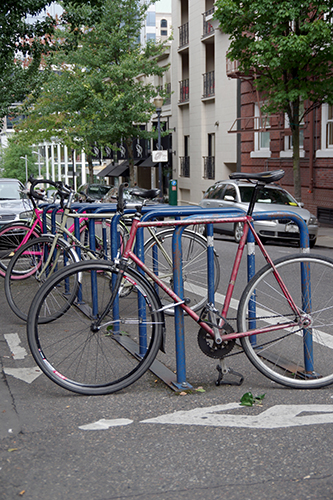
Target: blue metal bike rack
{"x": 191, "y": 212}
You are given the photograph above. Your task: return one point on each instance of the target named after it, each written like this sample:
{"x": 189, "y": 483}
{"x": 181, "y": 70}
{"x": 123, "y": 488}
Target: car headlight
{"x": 313, "y": 220}
{"x": 26, "y": 215}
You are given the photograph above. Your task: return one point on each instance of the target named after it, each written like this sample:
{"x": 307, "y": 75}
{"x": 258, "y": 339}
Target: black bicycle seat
{"x": 266, "y": 177}
{"x": 147, "y": 194}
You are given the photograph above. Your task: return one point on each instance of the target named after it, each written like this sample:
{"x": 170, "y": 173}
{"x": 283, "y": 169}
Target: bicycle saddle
{"x": 266, "y": 177}
{"x": 148, "y": 194}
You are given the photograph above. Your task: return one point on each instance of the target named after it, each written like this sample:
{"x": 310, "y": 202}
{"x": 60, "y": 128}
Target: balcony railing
{"x": 233, "y": 70}
{"x": 184, "y": 166}
{"x": 209, "y": 167}
{"x": 184, "y": 90}
{"x": 207, "y": 27}
{"x": 167, "y": 87}
{"x": 183, "y": 35}
{"x": 209, "y": 84}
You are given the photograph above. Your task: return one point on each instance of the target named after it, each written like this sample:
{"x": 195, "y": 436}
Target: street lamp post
{"x": 39, "y": 166}
{"x": 158, "y": 103}
{"x": 26, "y": 166}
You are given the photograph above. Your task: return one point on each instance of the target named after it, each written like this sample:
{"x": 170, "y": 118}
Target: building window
{"x": 326, "y": 150}
{"x": 164, "y": 23}
{"x": 209, "y": 161}
{"x": 184, "y": 91}
{"x": 288, "y": 139}
{"x": 185, "y": 160}
{"x": 164, "y": 32}
{"x": 151, "y": 36}
{"x": 329, "y": 127}
{"x": 151, "y": 18}
{"x": 261, "y": 139}
{"x": 208, "y": 84}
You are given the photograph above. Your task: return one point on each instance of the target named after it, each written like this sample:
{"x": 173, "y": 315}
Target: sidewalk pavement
{"x": 325, "y": 237}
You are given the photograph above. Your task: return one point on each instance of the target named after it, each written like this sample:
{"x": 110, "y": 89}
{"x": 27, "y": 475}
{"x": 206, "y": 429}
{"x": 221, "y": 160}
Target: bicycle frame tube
{"x": 129, "y": 254}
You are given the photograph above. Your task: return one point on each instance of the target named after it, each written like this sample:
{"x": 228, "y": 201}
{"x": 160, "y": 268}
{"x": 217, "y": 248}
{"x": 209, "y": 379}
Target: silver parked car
{"x": 237, "y": 194}
{"x": 14, "y": 203}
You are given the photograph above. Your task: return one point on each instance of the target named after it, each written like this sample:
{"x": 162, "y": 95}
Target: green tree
{"x": 288, "y": 47}
{"x": 22, "y": 46}
{"x": 12, "y": 161}
{"x": 100, "y": 93}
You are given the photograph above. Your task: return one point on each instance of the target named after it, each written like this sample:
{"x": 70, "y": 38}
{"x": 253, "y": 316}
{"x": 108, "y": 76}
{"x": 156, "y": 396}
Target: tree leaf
{"x": 247, "y": 399}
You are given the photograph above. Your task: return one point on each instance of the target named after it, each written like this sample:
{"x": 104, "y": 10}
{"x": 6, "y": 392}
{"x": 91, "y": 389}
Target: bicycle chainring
{"x": 210, "y": 348}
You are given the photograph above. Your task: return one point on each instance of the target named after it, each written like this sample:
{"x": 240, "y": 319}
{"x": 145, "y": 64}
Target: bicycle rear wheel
{"x": 158, "y": 256}
{"x": 27, "y": 272}
{"x": 82, "y": 355}
{"x": 296, "y": 357}
{"x": 11, "y": 236}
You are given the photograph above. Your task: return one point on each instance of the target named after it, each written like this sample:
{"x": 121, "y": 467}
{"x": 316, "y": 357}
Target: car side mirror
{"x": 228, "y": 197}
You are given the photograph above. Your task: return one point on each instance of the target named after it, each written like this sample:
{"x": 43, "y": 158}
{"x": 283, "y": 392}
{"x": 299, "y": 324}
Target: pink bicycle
{"x": 14, "y": 235}
{"x": 107, "y": 323}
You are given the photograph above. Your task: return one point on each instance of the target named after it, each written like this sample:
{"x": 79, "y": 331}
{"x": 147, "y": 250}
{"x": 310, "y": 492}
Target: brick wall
{"x": 316, "y": 192}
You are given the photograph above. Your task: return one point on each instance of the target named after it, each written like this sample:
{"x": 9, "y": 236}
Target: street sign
{"x": 160, "y": 156}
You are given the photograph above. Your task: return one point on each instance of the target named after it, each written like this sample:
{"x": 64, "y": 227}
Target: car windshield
{"x": 268, "y": 195}
{"x": 96, "y": 191}
{"x": 11, "y": 190}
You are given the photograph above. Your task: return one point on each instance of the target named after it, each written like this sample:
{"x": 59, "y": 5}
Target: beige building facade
{"x": 204, "y": 101}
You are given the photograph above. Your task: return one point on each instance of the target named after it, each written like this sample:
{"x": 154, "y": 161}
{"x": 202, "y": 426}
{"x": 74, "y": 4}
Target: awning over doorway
{"x": 148, "y": 162}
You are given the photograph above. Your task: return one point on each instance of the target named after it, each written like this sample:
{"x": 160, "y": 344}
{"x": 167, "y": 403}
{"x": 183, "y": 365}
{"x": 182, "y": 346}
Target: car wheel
{"x": 238, "y": 231}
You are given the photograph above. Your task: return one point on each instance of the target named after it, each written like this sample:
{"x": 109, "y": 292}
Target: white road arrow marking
{"x": 13, "y": 341}
{"x": 275, "y": 417}
{"x": 105, "y": 424}
{"x": 28, "y": 375}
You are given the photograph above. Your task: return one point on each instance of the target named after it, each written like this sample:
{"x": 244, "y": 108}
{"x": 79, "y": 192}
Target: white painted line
{"x": 105, "y": 424}
{"x": 275, "y": 417}
{"x": 28, "y": 375}
{"x": 13, "y": 341}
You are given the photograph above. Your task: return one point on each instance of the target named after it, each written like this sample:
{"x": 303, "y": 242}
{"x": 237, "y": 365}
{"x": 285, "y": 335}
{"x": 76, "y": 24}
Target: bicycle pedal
{"x": 220, "y": 379}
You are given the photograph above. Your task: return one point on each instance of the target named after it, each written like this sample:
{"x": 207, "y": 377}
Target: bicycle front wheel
{"x": 95, "y": 347}
{"x": 33, "y": 264}
{"x": 300, "y": 356}
{"x": 11, "y": 237}
{"x": 158, "y": 256}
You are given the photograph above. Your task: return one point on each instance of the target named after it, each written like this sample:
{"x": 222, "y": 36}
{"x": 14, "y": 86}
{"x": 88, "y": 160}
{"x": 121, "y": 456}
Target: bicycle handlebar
{"x": 62, "y": 189}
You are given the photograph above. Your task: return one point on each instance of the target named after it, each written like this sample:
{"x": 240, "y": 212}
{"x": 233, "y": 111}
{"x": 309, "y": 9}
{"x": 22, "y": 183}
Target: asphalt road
{"x": 148, "y": 442}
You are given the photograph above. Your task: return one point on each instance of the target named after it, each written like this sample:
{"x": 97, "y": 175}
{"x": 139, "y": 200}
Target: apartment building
{"x": 158, "y": 25}
{"x": 266, "y": 144}
{"x": 204, "y": 101}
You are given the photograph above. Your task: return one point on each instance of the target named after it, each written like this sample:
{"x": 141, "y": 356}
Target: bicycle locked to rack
{"x": 106, "y": 321}
{"x": 39, "y": 254}
{"x": 32, "y": 263}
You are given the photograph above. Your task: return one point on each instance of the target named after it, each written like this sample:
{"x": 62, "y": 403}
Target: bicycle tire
{"x": 11, "y": 236}
{"x": 28, "y": 263}
{"x": 77, "y": 355}
{"x": 194, "y": 266}
{"x": 280, "y": 355}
